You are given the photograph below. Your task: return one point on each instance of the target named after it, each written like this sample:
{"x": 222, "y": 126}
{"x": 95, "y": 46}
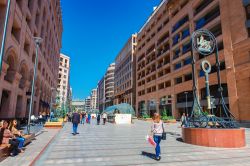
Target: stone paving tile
{"x": 122, "y": 145}
{"x": 32, "y": 150}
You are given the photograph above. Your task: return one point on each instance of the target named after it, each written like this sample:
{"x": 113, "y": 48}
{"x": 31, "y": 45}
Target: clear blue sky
{"x": 94, "y": 31}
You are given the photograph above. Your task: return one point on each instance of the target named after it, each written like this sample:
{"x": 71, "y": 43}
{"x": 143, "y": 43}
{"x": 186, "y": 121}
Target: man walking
{"x": 104, "y": 117}
{"x": 75, "y": 121}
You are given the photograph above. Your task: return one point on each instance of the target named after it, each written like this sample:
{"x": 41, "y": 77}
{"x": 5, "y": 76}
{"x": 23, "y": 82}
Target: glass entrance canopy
{"x": 122, "y": 108}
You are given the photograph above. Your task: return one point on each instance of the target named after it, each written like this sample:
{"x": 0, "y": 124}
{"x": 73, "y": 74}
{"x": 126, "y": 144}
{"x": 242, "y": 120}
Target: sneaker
{"x": 12, "y": 154}
{"x": 158, "y": 158}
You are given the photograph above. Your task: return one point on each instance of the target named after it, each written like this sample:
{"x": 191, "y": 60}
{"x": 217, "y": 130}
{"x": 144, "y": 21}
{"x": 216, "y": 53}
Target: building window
{"x": 178, "y": 80}
{"x": 186, "y": 48}
{"x": 185, "y": 33}
{"x": 188, "y": 61}
{"x": 188, "y": 77}
{"x": 208, "y": 17}
{"x": 176, "y": 39}
{"x": 180, "y": 23}
{"x": 248, "y": 18}
{"x": 202, "y": 5}
{"x": 177, "y": 66}
{"x": 176, "y": 54}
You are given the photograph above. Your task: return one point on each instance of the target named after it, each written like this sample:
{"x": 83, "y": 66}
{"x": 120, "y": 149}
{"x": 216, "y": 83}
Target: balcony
{"x": 176, "y": 54}
{"x": 150, "y": 49}
{"x": 186, "y": 48}
{"x": 187, "y": 61}
{"x": 185, "y": 33}
{"x": 216, "y": 30}
{"x": 202, "y": 6}
{"x": 162, "y": 39}
{"x": 207, "y": 18}
{"x": 176, "y": 39}
{"x": 179, "y": 23}
{"x": 177, "y": 66}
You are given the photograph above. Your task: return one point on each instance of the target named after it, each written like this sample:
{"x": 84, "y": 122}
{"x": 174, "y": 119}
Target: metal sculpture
{"x": 204, "y": 42}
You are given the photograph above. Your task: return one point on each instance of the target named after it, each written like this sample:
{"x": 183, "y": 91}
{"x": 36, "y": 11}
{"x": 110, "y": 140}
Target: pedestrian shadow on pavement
{"x": 179, "y": 139}
{"x": 147, "y": 154}
{"x": 173, "y": 133}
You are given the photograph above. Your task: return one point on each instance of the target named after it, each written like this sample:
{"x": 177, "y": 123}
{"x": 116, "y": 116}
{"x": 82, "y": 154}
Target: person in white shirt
{"x": 104, "y": 117}
{"x": 157, "y": 130}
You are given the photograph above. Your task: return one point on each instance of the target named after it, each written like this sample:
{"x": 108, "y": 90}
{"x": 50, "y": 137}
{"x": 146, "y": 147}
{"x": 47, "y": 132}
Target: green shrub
{"x": 145, "y": 116}
{"x": 167, "y": 117}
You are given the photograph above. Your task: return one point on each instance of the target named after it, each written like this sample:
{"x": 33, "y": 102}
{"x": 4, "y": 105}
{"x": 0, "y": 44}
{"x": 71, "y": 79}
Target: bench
{"x": 4, "y": 148}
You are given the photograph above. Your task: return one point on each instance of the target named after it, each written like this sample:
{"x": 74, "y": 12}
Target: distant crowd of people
{"x": 82, "y": 117}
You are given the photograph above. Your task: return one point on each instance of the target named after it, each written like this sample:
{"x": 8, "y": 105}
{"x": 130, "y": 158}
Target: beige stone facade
{"x": 163, "y": 56}
{"x": 28, "y": 19}
{"x": 93, "y": 99}
{"x": 63, "y": 79}
{"x": 109, "y": 85}
{"x": 124, "y": 81}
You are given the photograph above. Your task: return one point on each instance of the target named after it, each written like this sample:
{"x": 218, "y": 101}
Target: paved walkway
{"x": 32, "y": 150}
{"x": 123, "y": 145}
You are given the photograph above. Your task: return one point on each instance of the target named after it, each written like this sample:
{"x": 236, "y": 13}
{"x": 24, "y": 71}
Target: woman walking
{"x": 157, "y": 130}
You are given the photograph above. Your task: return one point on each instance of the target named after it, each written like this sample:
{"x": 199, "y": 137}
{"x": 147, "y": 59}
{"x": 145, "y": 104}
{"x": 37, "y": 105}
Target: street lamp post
{"x": 38, "y": 41}
{"x": 4, "y": 34}
{"x": 51, "y": 96}
{"x": 186, "y": 93}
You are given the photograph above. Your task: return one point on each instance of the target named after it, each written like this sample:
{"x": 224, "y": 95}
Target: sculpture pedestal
{"x": 224, "y": 138}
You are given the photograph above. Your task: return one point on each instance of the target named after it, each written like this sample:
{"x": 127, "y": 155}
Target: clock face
{"x": 203, "y": 41}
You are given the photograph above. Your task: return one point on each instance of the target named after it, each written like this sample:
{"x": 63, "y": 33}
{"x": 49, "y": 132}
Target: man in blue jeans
{"x": 75, "y": 121}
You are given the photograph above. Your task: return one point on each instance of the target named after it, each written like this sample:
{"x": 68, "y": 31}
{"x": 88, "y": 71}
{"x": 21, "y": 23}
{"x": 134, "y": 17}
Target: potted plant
{"x": 167, "y": 119}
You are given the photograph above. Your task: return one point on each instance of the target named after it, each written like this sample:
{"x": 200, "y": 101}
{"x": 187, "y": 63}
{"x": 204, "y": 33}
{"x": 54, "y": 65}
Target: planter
{"x": 53, "y": 125}
{"x": 213, "y": 137}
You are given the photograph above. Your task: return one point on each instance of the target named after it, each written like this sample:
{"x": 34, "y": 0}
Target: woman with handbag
{"x": 157, "y": 130}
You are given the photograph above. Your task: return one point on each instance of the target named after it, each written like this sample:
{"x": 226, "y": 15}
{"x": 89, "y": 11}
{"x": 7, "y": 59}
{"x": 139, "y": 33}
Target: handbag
{"x": 164, "y": 134}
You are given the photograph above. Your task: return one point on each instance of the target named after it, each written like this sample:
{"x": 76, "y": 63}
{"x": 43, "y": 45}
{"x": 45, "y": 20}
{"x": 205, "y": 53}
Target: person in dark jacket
{"x": 98, "y": 118}
{"x": 75, "y": 121}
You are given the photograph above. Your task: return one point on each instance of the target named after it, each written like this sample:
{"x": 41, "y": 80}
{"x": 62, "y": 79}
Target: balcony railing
{"x": 180, "y": 23}
{"x": 176, "y": 39}
{"x": 186, "y": 48}
{"x": 185, "y": 33}
{"x": 207, "y": 18}
{"x": 202, "y": 6}
{"x": 176, "y": 54}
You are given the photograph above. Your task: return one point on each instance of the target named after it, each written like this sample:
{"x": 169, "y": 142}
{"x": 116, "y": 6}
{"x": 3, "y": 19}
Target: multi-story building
{"x": 93, "y": 97}
{"x": 109, "y": 85}
{"x": 63, "y": 79}
{"x": 28, "y": 19}
{"x": 163, "y": 56}
{"x": 78, "y": 105}
{"x": 101, "y": 94}
{"x": 88, "y": 104}
{"x": 69, "y": 99}
{"x": 124, "y": 81}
